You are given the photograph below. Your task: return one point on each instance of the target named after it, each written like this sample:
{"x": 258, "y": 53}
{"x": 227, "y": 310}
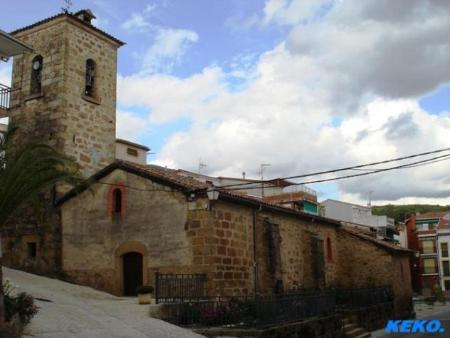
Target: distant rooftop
{"x": 83, "y": 16}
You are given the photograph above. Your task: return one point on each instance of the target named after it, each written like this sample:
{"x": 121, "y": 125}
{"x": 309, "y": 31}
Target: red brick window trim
{"x": 117, "y": 200}
{"x": 329, "y": 250}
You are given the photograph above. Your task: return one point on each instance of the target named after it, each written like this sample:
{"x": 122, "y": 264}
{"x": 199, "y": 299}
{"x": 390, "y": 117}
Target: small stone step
{"x": 350, "y": 326}
{"x": 364, "y": 335}
{"x": 355, "y": 332}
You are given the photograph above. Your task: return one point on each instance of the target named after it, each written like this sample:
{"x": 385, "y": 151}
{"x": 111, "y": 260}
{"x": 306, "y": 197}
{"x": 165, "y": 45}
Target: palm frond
{"x": 29, "y": 169}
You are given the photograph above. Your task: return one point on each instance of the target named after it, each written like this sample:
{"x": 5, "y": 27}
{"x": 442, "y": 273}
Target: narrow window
{"x": 90, "y": 78}
{"x": 429, "y": 265}
{"x": 117, "y": 194}
{"x": 31, "y": 249}
{"x": 329, "y": 251}
{"x": 428, "y": 247}
{"x": 36, "y": 75}
{"x": 132, "y": 152}
{"x": 446, "y": 268}
{"x": 444, "y": 249}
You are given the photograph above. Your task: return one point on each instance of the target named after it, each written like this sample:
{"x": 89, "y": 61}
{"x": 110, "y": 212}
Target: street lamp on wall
{"x": 213, "y": 194}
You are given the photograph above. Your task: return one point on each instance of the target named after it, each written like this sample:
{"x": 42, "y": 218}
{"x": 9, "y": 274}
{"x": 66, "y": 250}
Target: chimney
{"x": 85, "y": 15}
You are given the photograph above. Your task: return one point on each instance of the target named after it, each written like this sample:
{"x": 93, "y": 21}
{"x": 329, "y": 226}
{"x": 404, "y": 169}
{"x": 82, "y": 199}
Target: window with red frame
{"x": 117, "y": 201}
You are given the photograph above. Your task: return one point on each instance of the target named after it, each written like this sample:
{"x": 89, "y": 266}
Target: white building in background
{"x": 130, "y": 151}
{"x": 443, "y": 251}
{"x": 358, "y": 215}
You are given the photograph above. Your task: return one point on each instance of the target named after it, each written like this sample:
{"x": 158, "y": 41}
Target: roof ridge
{"x": 69, "y": 15}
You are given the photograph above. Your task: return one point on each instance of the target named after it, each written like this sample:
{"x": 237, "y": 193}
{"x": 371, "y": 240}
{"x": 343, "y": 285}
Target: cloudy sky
{"x": 304, "y": 85}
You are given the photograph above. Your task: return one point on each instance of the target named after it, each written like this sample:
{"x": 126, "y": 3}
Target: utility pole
{"x": 262, "y": 166}
{"x": 369, "y": 203}
{"x": 201, "y": 165}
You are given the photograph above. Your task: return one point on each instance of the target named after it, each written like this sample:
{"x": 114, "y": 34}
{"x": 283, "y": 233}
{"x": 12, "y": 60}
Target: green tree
{"x": 27, "y": 170}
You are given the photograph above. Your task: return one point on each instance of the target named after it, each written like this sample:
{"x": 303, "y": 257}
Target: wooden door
{"x": 132, "y": 273}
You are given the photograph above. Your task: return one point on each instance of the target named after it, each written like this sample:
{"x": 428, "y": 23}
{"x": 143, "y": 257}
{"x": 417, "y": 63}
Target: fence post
{"x": 157, "y": 286}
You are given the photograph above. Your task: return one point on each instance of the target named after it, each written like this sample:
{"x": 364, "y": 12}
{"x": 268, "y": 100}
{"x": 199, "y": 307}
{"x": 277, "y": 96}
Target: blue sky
{"x": 304, "y": 85}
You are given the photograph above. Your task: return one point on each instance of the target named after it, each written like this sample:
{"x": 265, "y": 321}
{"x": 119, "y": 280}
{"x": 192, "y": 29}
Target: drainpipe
{"x": 255, "y": 264}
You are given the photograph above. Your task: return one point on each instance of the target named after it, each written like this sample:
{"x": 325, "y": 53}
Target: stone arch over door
{"x": 120, "y": 252}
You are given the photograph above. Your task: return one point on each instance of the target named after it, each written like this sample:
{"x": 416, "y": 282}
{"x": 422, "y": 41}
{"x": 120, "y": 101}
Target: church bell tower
{"x": 64, "y": 93}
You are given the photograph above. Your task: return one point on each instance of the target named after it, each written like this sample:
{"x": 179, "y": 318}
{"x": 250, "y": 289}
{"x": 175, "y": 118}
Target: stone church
{"x": 131, "y": 220}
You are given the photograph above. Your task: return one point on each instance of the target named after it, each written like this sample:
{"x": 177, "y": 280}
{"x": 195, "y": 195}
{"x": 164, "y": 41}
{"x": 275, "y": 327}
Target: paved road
{"x": 443, "y": 316}
{"x": 75, "y": 311}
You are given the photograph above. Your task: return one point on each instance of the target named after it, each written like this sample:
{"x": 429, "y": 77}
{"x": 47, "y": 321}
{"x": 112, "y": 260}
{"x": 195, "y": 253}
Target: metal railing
{"x": 263, "y": 311}
{"x": 5, "y": 96}
{"x": 177, "y": 288}
{"x": 363, "y": 297}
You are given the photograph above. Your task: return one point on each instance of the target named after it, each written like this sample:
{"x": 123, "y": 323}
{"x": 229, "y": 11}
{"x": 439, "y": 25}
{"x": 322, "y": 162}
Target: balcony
{"x": 5, "y": 97}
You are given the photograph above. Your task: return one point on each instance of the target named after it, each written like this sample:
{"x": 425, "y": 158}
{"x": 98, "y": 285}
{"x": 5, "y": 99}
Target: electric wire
{"x": 339, "y": 169}
{"x": 403, "y": 166}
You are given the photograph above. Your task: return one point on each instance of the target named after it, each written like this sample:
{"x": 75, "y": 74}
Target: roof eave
{"x": 264, "y": 206}
{"x": 130, "y": 169}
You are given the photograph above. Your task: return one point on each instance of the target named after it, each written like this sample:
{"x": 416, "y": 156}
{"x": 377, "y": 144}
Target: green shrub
{"x": 21, "y": 305}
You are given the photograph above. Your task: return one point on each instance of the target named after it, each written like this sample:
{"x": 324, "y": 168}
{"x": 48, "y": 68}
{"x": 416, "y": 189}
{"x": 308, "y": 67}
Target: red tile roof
{"x": 383, "y": 244}
{"x": 156, "y": 173}
{"x": 173, "y": 178}
{"x": 431, "y": 214}
{"x": 73, "y": 17}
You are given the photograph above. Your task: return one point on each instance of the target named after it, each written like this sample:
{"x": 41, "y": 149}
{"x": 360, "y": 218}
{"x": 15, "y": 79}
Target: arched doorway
{"x": 132, "y": 272}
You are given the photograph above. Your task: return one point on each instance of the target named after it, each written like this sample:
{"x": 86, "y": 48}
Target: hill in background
{"x": 401, "y": 212}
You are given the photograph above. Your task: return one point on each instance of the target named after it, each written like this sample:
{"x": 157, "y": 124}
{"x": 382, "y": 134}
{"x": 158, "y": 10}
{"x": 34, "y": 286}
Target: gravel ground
{"x": 69, "y": 310}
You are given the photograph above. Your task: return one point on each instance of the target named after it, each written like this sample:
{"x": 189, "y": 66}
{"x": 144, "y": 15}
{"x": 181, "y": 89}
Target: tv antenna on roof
{"x": 262, "y": 166}
{"x": 201, "y": 165}
{"x": 68, "y": 4}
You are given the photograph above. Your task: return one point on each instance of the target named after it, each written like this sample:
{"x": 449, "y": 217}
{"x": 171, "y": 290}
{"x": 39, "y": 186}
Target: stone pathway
{"x": 73, "y": 311}
{"x": 424, "y": 311}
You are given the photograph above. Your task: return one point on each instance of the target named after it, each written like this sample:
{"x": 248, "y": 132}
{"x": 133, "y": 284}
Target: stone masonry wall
{"x": 155, "y": 223}
{"x": 231, "y": 250}
{"x": 61, "y": 115}
{"x": 63, "y": 118}
{"x": 40, "y": 224}
{"x": 367, "y": 265}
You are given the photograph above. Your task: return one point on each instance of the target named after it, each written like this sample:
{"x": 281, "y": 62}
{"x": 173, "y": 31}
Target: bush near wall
{"x": 19, "y": 310}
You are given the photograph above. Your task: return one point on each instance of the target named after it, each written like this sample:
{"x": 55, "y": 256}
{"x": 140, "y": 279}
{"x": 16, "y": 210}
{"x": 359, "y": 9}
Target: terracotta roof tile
{"x": 167, "y": 174}
{"x": 431, "y": 214}
{"x": 383, "y": 244}
{"x": 73, "y": 17}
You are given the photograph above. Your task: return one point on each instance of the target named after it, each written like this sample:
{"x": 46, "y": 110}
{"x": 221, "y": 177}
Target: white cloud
{"x": 363, "y": 62}
{"x": 169, "y": 46}
{"x": 168, "y": 97}
{"x": 150, "y": 8}
{"x": 135, "y": 22}
{"x": 130, "y": 126}
{"x": 100, "y": 22}
{"x": 290, "y": 12}
{"x": 5, "y": 72}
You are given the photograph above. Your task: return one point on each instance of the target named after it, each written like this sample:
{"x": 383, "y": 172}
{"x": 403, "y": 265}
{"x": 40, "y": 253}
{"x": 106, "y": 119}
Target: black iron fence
{"x": 363, "y": 297}
{"x": 261, "y": 311}
{"x": 5, "y": 96}
{"x": 253, "y": 312}
{"x": 178, "y": 288}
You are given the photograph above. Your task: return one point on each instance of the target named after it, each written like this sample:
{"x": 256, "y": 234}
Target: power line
{"x": 340, "y": 169}
{"x": 430, "y": 161}
{"x": 408, "y": 165}
{"x": 374, "y": 171}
